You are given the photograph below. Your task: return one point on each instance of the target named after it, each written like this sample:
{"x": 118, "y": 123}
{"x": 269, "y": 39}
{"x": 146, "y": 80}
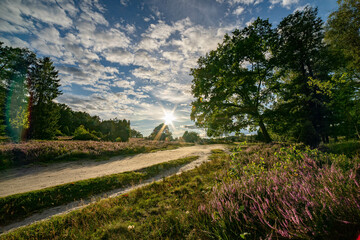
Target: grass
{"x": 19, "y": 206}
{"x": 162, "y": 210}
{"x": 12, "y": 154}
{"x": 349, "y": 148}
{"x": 262, "y": 192}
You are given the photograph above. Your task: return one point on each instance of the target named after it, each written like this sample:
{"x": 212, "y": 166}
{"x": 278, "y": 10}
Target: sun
{"x": 169, "y": 118}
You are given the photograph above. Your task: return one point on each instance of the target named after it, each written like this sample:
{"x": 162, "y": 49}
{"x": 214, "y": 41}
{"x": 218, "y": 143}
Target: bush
{"x": 82, "y": 134}
{"x": 191, "y": 137}
{"x": 58, "y": 133}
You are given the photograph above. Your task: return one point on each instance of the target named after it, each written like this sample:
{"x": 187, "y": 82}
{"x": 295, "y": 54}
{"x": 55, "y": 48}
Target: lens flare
{"x": 169, "y": 118}
{"x": 17, "y": 109}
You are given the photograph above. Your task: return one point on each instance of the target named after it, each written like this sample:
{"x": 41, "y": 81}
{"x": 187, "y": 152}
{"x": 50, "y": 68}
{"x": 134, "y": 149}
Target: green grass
{"x": 19, "y": 206}
{"x": 163, "y": 210}
{"x": 348, "y": 148}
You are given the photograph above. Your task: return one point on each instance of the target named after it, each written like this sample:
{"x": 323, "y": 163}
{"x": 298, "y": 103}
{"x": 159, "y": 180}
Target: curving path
{"x": 29, "y": 178}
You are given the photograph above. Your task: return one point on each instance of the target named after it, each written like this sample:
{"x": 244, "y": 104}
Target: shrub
{"x": 191, "y": 137}
{"x": 82, "y": 134}
{"x": 286, "y": 193}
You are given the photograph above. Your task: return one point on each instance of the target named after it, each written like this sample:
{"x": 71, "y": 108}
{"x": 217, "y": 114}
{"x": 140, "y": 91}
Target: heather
{"x": 12, "y": 154}
{"x": 279, "y": 192}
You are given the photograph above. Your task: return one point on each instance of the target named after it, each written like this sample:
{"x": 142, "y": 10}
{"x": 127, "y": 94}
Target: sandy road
{"x": 31, "y": 178}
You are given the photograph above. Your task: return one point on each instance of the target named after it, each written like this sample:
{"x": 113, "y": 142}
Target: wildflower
{"x": 187, "y": 212}
{"x": 131, "y": 227}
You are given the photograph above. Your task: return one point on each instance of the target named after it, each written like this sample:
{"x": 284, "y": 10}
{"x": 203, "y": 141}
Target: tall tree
{"x": 343, "y": 31}
{"x": 304, "y": 63}
{"x": 14, "y": 65}
{"x": 232, "y": 84}
{"x": 136, "y": 134}
{"x": 44, "y": 88}
{"x": 343, "y": 36}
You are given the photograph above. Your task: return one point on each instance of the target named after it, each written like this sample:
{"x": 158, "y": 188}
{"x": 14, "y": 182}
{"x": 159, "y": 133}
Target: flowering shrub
{"x": 293, "y": 192}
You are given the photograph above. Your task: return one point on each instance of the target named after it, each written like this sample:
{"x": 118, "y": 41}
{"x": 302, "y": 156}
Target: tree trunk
{"x": 264, "y": 132}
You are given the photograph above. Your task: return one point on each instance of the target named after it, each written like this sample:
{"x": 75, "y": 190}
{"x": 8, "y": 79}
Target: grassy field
{"x": 19, "y": 206}
{"x": 12, "y": 154}
{"x": 262, "y": 192}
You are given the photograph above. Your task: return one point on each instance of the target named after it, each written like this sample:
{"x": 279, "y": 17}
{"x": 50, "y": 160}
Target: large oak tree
{"x": 232, "y": 84}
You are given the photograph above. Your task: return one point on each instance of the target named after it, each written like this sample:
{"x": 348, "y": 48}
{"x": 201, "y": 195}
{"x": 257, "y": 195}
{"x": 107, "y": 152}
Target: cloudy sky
{"x": 132, "y": 58}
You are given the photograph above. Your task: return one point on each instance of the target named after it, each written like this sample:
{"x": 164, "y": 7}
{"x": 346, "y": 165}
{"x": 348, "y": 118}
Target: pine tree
{"x": 44, "y": 88}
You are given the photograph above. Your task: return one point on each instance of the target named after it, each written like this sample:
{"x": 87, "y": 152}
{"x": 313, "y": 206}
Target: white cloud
{"x": 239, "y": 10}
{"x": 301, "y": 8}
{"x": 247, "y": 2}
{"x": 11, "y": 28}
{"x": 45, "y": 11}
{"x": 173, "y": 56}
{"x": 124, "y": 2}
{"x": 119, "y": 55}
{"x": 284, "y": 3}
{"x": 248, "y": 23}
{"x": 14, "y": 42}
{"x": 124, "y": 84}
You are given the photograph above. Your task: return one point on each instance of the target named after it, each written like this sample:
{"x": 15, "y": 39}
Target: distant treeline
{"x": 28, "y": 86}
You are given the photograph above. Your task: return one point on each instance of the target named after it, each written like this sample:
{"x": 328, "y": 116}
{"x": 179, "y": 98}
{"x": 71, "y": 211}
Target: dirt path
{"x": 63, "y": 209}
{"x": 31, "y": 178}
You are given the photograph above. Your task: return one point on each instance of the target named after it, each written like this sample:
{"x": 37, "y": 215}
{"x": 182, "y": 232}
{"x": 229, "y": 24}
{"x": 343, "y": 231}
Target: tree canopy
{"x": 286, "y": 82}
{"x": 161, "y": 132}
{"x": 232, "y": 83}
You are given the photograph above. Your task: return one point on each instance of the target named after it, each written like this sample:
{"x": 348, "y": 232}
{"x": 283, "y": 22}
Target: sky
{"x": 132, "y": 58}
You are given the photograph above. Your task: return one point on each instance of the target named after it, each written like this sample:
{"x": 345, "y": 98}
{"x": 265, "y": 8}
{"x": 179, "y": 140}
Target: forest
{"x": 28, "y": 88}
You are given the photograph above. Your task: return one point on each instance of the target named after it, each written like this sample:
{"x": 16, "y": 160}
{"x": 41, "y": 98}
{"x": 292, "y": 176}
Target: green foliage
{"x": 191, "y": 137}
{"x": 14, "y": 65}
{"x": 136, "y": 134}
{"x": 82, "y": 134}
{"x": 22, "y": 205}
{"x": 304, "y": 64}
{"x": 348, "y": 148}
{"x": 342, "y": 32}
{"x": 161, "y": 132}
{"x": 231, "y": 84}
{"x": 43, "y": 83}
{"x": 115, "y": 129}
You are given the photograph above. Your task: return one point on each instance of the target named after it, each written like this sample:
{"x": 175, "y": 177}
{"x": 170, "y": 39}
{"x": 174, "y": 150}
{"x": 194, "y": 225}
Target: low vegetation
{"x": 52, "y": 151}
{"x": 265, "y": 191}
{"x": 349, "y": 148}
{"x": 164, "y": 209}
{"x": 19, "y": 206}
{"x": 286, "y": 193}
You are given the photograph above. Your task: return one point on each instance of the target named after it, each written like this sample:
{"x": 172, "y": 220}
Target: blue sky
{"x": 132, "y": 59}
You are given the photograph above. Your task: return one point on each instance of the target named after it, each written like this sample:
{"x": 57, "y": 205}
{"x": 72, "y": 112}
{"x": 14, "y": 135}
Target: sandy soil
{"x": 31, "y": 178}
